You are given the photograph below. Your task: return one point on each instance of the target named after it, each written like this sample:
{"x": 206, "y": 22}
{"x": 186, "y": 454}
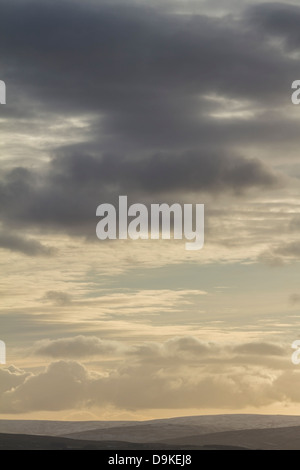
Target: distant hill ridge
{"x": 243, "y": 431}
{"x": 26, "y": 442}
{"x": 213, "y": 423}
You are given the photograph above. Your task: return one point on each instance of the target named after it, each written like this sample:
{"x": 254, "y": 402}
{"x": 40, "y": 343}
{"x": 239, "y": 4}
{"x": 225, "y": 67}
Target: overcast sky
{"x": 163, "y": 101}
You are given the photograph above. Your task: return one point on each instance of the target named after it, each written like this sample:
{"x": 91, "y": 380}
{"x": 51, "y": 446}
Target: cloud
{"x": 151, "y": 49}
{"x": 282, "y": 254}
{"x": 279, "y": 20}
{"x": 67, "y": 384}
{"x": 128, "y": 301}
{"x": 295, "y": 224}
{"x": 77, "y": 347}
{"x": 11, "y": 377}
{"x": 289, "y": 250}
{"x": 182, "y": 372}
{"x": 180, "y": 348}
{"x": 150, "y": 89}
{"x": 57, "y": 298}
{"x": 70, "y": 193}
{"x": 26, "y": 246}
{"x": 60, "y": 386}
{"x": 294, "y": 299}
{"x": 191, "y": 171}
{"x": 184, "y": 348}
{"x": 156, "y": 105}
{"x": 80, "y": 347}
{"x": 260, "y": 349}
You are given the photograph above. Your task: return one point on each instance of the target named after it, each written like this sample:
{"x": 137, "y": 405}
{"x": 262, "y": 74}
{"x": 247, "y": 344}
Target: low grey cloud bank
{"x": 26, "y": 246}
{"x": 183, "y": 372}
{"x": 77, "y": 347}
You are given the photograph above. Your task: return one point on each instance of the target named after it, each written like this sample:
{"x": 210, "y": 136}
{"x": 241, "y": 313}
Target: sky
{"x": 165, "y": 102}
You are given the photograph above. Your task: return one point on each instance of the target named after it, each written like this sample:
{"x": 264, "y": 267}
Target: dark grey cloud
{"x": 166, "y": 173}
{"x": 57, "y": 298}
{"x": 294, "y": 225}
{"x": 294, "y": 299}
{"x": 279, "y": 20}
{"x": 291, "y": 249}
{"x": 282, "y": 254}
{"x": 77, "y": 347}
{"x": 26, "y": 246}
{"x": 163, "y": 173}
{"x": 146, "y": 73}
{"x": 260, "y": 349}
{"x": 66, "y": 196}
{"x": 145, "y": 76}
{"x": 107, "y": 56}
